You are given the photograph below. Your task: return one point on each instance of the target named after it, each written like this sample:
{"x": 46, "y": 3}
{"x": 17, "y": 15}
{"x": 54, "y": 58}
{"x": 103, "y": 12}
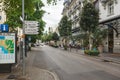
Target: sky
{"x": 53, "y": 14}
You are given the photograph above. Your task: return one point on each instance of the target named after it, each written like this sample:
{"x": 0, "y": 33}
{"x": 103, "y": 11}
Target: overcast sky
{"x": 53, "y": 15}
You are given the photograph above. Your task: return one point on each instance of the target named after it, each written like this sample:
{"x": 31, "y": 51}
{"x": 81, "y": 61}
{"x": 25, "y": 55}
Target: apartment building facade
{"x": 110, "y": 18}
{"x": 72, "y": 9}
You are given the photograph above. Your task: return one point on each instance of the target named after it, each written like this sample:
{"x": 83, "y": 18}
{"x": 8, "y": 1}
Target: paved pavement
{"x": 32, "y": 73}
{"x": 108, "y": 57}
{"x": 71, "y": 66}
{"x": 35, "y": 73}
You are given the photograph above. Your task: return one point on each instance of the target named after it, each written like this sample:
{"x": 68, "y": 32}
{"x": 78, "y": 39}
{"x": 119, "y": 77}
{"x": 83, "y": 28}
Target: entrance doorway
{"x": 110, "y": 40}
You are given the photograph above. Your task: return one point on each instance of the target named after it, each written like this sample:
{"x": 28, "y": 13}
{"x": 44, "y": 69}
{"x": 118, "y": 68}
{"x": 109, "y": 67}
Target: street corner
{"x": 41, "y": 74}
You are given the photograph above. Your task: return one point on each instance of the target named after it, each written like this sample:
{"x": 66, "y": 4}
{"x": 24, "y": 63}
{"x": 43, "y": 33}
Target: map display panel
{"x": 7, "y": 48}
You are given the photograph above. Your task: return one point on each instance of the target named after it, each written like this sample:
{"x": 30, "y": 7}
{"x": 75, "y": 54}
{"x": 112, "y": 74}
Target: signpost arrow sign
{"x": 31, "y": 23}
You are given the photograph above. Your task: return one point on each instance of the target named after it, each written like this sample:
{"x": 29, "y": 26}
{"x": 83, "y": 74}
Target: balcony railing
{"x": 76, "y": 29}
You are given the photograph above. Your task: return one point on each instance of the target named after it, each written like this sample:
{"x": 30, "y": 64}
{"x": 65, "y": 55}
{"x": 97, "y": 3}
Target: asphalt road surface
{"x": 71, "y": 66}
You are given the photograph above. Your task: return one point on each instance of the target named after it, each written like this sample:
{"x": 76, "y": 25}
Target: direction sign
{"x": 31, "y": 29}
{"x": 28, "y": 32}
{"x": 31, "y": 23}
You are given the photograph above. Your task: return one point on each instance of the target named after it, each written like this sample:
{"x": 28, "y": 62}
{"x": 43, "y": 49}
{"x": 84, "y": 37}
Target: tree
{"x": 54, "y": 2}
{"x": 89, "y": 20}
{"x": 13, "y": 10}
{"x": 33, "y": 11}
{"x": 37, "y": 16}
{"x": 55, "y": 36}
{"x": 64, "y": 28}
{"x": 98, "y": 36}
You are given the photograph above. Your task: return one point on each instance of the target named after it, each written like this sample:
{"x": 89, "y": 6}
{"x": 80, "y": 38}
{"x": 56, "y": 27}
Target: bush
{"x": 92, "y": 52}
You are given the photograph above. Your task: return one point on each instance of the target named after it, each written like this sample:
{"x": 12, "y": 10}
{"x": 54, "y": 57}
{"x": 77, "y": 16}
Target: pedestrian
{"x": 70, "y": 47}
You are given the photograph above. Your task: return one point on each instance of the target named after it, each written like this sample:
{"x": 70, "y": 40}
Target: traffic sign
{"x": 31, "y": 29}
{"x": 4, "y": 28}
{"x": 28, "y": 32}
{"x": 31, "y": 23}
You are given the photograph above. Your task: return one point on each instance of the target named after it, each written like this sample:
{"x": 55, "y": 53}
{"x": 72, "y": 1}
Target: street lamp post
{"x": 23, "y": 38}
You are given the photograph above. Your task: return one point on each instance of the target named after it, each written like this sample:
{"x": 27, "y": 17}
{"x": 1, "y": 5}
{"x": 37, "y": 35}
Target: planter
{"x": 92, "y": 52}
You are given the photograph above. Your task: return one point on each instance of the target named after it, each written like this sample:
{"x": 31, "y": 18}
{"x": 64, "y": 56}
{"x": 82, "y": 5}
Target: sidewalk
{"x": 111, "y": 57}
{"x": 32, "y": 73}
{"x": 107, "y": 57}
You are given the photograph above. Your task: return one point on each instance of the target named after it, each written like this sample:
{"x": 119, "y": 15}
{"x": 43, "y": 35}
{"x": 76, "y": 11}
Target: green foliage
{"x": 65, "y": 27}
{"x": 98, "y": 36}
{"x": 92, "y": 52}
{"x": 54, "y": 2}
{"x": 89, "y": 18}
{"x": 33, "y": 11}
{"x": 55, "y": 36}
{"x": 13, "y": 9}
{"x": 46, "y": 37}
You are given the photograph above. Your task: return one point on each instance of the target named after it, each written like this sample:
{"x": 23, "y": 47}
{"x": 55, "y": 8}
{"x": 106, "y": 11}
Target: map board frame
{"x": 8, "y": 53}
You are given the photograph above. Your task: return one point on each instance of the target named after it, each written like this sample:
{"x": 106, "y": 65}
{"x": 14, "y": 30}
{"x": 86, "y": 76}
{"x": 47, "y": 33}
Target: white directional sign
{"x": 28, "y": 32}
{"x": 31, "y": 27}
{"x": 31, "y": 23}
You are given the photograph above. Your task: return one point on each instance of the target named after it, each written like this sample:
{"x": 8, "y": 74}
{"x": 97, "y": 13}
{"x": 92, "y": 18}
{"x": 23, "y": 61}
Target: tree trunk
{"x": 90, "y": 42}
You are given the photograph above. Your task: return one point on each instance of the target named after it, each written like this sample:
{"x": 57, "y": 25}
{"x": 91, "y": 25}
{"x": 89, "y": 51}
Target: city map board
{"x": 7, "y": 48}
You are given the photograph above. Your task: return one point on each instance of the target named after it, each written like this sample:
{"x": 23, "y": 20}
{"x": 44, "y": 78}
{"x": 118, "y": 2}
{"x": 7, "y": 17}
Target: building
{"x": 72, "y": 9}
{"x": 2, "y": 13}
{"x": 110, "y": 17}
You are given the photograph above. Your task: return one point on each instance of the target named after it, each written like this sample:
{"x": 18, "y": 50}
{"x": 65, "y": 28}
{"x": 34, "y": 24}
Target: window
{"x": 110, "y": 8}
{"x": 0, "y": 9}
{"x": 0, "y": 17}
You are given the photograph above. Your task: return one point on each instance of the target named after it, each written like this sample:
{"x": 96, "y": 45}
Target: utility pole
{"x": 23, "y": 38}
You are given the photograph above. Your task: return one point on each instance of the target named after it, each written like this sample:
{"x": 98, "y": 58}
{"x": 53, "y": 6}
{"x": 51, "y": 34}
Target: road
{"x": 71, "y": 66}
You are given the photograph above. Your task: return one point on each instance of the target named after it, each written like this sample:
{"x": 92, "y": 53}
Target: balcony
{"x": 75, "y": 18}
{"x": 76, "y": 29}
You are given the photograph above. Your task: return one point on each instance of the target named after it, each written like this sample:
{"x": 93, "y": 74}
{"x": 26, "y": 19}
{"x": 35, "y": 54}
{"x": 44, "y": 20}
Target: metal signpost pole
{"x": 23, "y": 38}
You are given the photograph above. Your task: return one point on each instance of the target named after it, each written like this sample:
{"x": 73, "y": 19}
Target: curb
{"x": 41, "y": 74}
{"x": 51, "y": 73}
{"x": 106, "y": 59}
{"x": 110, "y": 60}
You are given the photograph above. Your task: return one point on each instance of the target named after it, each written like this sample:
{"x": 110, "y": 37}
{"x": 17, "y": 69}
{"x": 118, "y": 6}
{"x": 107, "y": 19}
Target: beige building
{"x": 109, "y": 14}
{"x": 72, "y": 9}
{"x": 2, "y": 13}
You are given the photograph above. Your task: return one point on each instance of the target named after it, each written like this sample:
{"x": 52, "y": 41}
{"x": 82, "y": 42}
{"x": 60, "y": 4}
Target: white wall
{"x": 103, "y": 12}
{"x": 2, "y": 14}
